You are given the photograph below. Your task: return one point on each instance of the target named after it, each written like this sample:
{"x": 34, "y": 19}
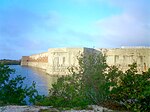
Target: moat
{"x": 43, "y": 80}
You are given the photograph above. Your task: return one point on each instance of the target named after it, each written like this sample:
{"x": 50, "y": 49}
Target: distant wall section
{"x": 24, "y": 60}
{"x": 36, "y": 60}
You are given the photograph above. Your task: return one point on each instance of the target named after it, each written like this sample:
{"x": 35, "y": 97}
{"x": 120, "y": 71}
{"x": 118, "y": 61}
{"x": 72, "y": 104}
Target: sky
{"x": 33, "y": 26}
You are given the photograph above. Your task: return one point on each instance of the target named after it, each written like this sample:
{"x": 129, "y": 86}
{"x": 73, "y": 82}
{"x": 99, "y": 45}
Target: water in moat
{"x": 43, "y": 80}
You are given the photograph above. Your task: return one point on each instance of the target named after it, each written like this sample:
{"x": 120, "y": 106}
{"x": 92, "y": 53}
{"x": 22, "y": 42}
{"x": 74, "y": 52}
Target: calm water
{"x": 43, "y": 80}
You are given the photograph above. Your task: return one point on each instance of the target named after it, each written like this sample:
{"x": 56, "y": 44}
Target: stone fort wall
{"x": 122, "y": 57}
{"x": 36, "y": 60}
{"x": 57, "y": 60}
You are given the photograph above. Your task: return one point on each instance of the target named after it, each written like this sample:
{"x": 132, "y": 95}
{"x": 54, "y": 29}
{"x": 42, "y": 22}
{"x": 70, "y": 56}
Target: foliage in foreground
{"x": 12, "y": 90}
{"x": 85, "y": 85}
{"x": 133, "y": 90}
{"x": 94, "y": 82}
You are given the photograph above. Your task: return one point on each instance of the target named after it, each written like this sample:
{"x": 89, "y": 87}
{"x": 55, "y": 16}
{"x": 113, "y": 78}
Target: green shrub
{"x": 67, "y": 92}
{"x": 133, "y": 90}
{"x": 85, "y": 85}
{"x": 12, "y": 90}
{"x": 93, "y": 77}
{"x": 94, "y": 82}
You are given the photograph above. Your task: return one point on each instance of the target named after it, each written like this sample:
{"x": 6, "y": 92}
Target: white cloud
{"x": 131, "y": 27}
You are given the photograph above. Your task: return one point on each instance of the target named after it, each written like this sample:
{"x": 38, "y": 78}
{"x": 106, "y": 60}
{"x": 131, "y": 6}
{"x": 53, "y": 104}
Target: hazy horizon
{"x": 32, "y": 27}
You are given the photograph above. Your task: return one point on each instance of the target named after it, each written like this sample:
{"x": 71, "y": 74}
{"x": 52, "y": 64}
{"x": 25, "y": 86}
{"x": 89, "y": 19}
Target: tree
{"x": 12, "y": 90}
{"x": 93, "y": 77}
{"x": 83, "y": 86}
{"x": 94, "y": 82}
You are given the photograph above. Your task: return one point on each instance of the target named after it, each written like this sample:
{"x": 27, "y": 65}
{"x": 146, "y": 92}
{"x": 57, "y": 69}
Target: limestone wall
{"x": 38, "y": 65}
{"x": 57, "y": 60}
{"x": 36, "y": 60}
{"x": 24, "y": 60}
{"x": 122, "y": 57}
{"x": 42, "y": 57}
{"x": 60, "y": 59}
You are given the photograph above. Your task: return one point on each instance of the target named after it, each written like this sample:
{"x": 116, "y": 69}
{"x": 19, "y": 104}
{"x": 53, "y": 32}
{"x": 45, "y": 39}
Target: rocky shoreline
{"x": 15, "y": 108}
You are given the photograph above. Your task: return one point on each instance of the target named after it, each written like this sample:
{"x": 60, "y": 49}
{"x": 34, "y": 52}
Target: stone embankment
{"x": 94, "y": 108}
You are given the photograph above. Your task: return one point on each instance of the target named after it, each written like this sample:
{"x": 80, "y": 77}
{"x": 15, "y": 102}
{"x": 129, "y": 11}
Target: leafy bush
{"x": 133, "y": 90}
{"x": 66, "y": 92}
{"x": 94, "y": 82}
{"x": 85, "y": 85}
{"x": 12, "y": 90}
{"x": 93, "y": 77}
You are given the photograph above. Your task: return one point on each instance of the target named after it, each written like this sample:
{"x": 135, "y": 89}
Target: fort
{"x": 57, "y": 60}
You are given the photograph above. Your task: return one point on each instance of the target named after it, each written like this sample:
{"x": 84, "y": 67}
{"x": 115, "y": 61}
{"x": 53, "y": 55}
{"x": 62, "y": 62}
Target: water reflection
{"x": 43, "y": 80}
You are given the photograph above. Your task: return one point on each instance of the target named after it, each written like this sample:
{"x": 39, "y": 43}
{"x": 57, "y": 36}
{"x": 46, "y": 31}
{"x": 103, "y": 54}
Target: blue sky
{"x": 32, "y": 26}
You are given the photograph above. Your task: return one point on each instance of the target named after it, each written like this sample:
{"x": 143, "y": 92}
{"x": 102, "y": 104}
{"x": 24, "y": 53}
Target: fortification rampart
{"x": 57, "y": 60}
{"x": 36, "y": 60}
{"x": 122, "y": 57}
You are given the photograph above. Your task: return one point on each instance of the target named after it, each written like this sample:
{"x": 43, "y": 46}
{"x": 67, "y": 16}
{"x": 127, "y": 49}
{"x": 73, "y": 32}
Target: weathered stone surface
{"x": 100, "y": 109}
{"x": 95, "y": 108}
{"x": 57, "y": 60}
{"x": 122, "y": 57}
{"x": 13, "y": 108}
{"x": 24, "y": 108}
